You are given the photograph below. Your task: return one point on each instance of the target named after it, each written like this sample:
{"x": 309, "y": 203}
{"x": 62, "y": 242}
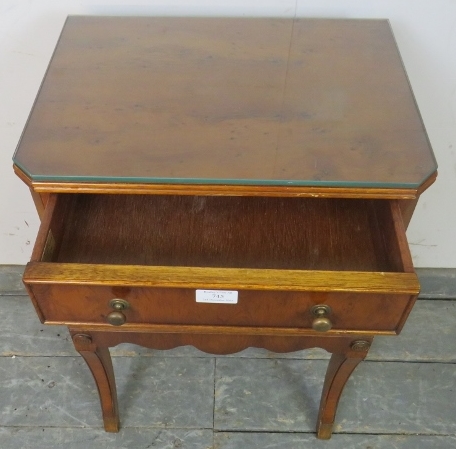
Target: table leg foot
{"x": 324, "y": 431}
{"x": 99, "y": 362}
{"x": 111, "y": 423}
{"x": 341, "y": 366}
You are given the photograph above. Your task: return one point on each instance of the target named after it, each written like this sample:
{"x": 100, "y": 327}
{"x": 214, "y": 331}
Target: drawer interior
{"x": 237, "y": 232}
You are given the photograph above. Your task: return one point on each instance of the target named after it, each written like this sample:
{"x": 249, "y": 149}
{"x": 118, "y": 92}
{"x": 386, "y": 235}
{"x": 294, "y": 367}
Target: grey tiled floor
{"x": 403, "y": 396}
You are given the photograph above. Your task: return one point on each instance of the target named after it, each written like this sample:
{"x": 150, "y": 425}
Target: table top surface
{"x": 234, "y": 101}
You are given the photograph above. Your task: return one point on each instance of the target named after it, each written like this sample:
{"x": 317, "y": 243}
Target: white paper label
{"x": 217, "y": 296}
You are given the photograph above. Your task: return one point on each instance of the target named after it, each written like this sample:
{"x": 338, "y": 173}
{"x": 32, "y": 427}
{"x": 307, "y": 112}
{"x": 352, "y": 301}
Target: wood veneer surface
{"x": 242, "y": 232}
{"x": 230, "y": 101}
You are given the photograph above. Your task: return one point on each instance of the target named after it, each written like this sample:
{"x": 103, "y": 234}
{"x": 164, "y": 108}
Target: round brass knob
{"x": 321, "y": 323}
{"x": 116, "y": 318}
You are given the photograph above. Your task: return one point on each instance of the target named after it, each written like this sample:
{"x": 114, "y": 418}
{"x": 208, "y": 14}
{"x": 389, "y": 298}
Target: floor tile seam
{"x": 11, "y": 293}
{"x": 431, "y": 298}
{"x": 312, "y": 432}
{"x": 398, "y": 434}
{"x": 242, "y": 431}
{"x": 20, "y": 356}
{"x": 77, "y": 356}
{"x": 101, "y": 430}
{"x": 423, "y": 362}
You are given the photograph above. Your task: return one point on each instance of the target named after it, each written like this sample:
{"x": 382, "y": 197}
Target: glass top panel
{"x": 226, "y": 101}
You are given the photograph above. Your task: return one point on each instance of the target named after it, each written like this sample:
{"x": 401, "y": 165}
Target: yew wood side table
{"x": 224, "y": 183}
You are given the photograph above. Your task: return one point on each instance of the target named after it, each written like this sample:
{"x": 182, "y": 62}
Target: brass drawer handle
{"x": 321, "y": 323}
{"x": 119, "y": 304}
{"x": 117, "y": 318}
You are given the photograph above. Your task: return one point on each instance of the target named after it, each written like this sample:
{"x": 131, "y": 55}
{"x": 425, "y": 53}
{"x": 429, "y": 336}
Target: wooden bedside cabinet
{"x": 224, "y": 183}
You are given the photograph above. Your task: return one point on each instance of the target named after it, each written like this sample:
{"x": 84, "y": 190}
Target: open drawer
{"x": 282, "y": 256}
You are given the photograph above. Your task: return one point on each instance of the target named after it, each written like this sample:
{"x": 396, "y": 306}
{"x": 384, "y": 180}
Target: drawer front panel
{"x": 349, "y": 311}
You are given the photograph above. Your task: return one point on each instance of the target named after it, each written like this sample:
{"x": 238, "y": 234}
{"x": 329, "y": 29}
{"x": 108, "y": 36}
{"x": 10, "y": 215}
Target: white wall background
{"x": 425, "y": 31}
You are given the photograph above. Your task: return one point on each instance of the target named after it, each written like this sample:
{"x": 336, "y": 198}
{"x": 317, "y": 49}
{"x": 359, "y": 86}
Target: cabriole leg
{"x": 100, "y": 364}
{"x": 340, "y": 367}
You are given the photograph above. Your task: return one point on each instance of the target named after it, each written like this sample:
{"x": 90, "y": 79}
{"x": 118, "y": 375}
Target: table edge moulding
{"x": 224, "y": 183}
